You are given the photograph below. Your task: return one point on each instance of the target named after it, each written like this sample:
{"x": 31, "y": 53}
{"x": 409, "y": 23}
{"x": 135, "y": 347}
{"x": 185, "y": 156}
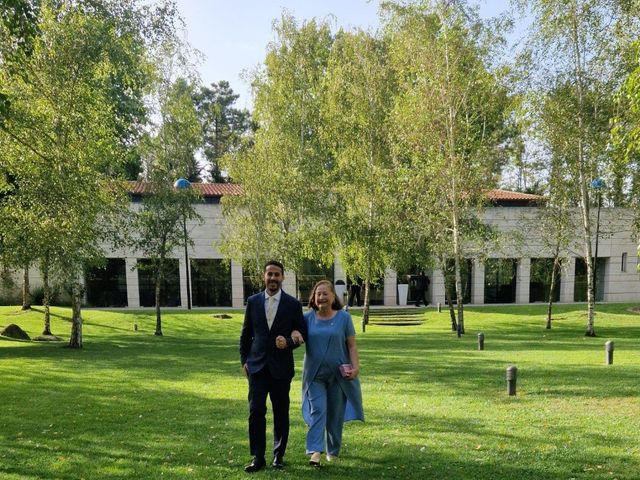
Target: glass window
{"x": 376, "y": 292}
{"x": 412, "y": 278}
{"x": 106, "y": 286}
{"x": 450, "y": 280}
{"x": 623, "y": 263}
{"x": 500, "y": 280}
{"x": 210, "y": 283}
{"x": 311, "y": 273}
{"x": 540, "y": 280}
{"x": 580, "y": 286}
{"x": 169, "y": 287}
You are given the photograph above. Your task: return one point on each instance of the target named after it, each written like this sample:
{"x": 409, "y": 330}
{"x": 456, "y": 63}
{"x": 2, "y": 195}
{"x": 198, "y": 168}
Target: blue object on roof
{"x": 182, "y": 183}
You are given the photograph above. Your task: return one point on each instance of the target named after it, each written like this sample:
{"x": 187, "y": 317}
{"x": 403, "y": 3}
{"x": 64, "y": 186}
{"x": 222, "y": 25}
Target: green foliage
{"x": 169, "y": 152}
{"x": 626, "y": 135}
{"x": 225, "y": 127}
{"x": 18, "y": 23}
{"x": 575, "y": 50}
{"x": 73, "y": 107}
{"x": 450, "y": 128}
{"x": 158, "y": 225}
{"x": 452, "y": 108}
{"x": 282, "y": 172}
{"x": 58, "y": 133}
{"x": 371, "y": 145}
{"x": 359, "y": 95}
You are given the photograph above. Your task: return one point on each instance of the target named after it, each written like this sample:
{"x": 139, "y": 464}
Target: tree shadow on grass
{"x": 126, "y": 437}
{"x": 488, "y": 381}
{"x": 52, "y": 313}
{"x": 412, "y": 364}
{"x": 458, "y": 467}
{"x": 516, "y": 339}
{"x": 420, "y": 444}
{"x": 108, "y": 413}
{"x": 173, "y": 357}
{"x": 135, "y": 406}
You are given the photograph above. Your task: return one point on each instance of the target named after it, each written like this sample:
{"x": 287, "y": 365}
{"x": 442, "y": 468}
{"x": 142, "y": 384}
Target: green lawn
{"x": 134, "y": 406}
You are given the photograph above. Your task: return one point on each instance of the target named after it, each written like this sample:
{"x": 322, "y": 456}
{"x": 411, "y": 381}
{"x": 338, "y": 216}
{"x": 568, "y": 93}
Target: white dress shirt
{"x": 276, "y": 302}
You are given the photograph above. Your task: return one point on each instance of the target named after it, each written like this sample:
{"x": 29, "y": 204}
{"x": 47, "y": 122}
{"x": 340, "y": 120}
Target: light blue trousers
{"x": 327, "y": 412}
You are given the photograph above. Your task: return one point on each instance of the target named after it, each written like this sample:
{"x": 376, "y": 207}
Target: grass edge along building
{"x": 515, "y": 272}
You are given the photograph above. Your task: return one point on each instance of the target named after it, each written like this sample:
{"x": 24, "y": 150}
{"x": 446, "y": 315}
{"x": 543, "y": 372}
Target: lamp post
{"x": 597, "y": 184}
{"x": 184, "y": 184}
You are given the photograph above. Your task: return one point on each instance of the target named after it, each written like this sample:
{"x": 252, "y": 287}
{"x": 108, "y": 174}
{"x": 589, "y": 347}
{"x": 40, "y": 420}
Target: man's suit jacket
{"x": 258, "y": 344}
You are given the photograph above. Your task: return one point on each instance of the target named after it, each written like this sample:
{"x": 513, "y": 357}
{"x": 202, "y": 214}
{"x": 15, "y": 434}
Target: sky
{"x": 233, "y": 35}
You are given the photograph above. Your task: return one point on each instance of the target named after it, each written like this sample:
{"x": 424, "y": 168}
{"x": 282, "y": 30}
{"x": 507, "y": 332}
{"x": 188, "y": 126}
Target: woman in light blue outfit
{"x": 330, "y": 387}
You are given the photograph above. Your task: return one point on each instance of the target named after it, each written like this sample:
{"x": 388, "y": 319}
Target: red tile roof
{"x": 497, "y": 194}
{"x": 218, "y": 189}
{"x": 221, "y": 189}
{"x": 206, "y": 189}
{"x": 501, "y": 195}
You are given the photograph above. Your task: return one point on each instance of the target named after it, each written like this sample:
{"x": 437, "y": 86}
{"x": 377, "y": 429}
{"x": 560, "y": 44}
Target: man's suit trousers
{"x": 262, "y": 384}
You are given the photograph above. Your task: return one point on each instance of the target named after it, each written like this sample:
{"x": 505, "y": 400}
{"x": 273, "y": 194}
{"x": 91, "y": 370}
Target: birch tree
{"x": 359, "y": 96}
{"x": 68, "y": 109}
{"x": 626, "y": 135}
{"x": 168, "y": 154}
{"x": 282, "y": 173}
{"x": 450, "y": 115}
{"x": 574, "y": 46}
{"x": 555, "y": 221}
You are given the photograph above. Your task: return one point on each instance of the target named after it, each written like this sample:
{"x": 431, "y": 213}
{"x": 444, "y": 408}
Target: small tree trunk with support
{"x": 365, "y": 311}
{"x": 552, "y": 286}
{"x": 367, "y": 282}
{"x": 452, "y": 311}
{"x": 26, "y": 296}
{"x": 458, "y": 275}
{"x": 76, "y": 318}
{"x": 158, "y": 331}
{"x": 46, "y": 300}
{"x": 459, "y": 297}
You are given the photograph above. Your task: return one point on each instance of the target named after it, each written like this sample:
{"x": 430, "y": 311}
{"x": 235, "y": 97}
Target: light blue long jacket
{"x": 327, "y": 343}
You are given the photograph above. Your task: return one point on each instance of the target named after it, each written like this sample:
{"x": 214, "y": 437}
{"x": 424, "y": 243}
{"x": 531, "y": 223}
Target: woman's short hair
{"x": 336, "y": 305}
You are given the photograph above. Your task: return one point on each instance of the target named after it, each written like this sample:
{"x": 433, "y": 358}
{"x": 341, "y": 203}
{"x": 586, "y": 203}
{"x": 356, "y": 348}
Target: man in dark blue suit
{"x": 273, "y": 326}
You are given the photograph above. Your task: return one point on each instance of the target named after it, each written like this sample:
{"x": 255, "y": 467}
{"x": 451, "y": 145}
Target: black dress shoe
{"x": 278, "y": 462}
{"x": 255, "y": 465}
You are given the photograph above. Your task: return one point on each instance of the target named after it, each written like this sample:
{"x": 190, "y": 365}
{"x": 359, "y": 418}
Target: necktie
{"x": 271, "y": 311}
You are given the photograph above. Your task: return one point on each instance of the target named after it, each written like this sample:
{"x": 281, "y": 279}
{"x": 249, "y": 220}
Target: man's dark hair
{"x": 275, "y": 263}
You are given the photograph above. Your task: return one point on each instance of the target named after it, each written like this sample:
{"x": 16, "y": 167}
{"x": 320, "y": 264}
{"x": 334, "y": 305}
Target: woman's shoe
{"x": 331, "y": 458}
{"x": 314, "y": 461}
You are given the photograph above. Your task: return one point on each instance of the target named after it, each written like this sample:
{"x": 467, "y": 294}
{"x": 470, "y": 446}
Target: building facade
{"x": 515, "y": 270}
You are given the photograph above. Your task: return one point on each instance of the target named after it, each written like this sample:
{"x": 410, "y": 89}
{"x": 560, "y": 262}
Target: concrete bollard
{"x": 608, "y": 348}
{"x": 480, "y": 341}
{"x": 439, "y": 307}
{"x": 512, "y": 373}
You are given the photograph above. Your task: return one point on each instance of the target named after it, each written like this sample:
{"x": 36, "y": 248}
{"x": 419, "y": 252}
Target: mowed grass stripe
{"x": 134, "y": 406}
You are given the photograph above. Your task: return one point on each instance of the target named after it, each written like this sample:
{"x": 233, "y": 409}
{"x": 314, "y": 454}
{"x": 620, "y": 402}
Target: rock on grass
{"x": 15, "y": 332}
